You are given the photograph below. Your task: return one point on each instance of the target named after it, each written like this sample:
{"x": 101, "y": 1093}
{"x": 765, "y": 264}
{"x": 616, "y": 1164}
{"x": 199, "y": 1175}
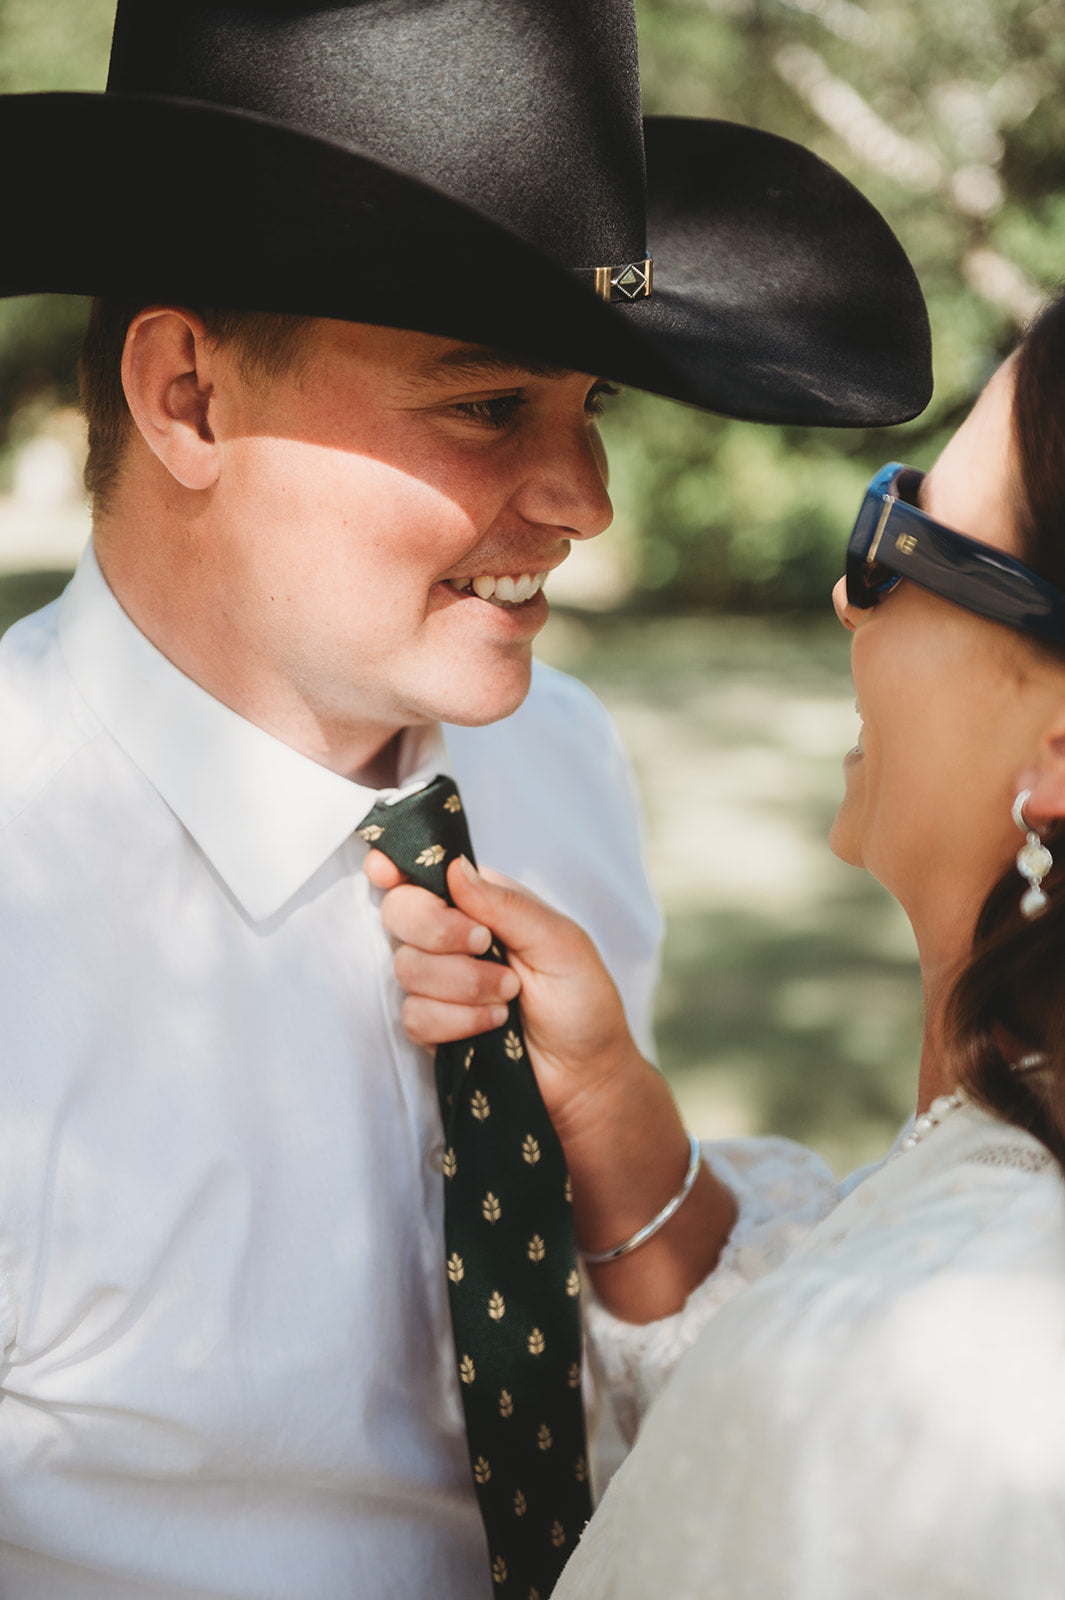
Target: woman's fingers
{"x": 450, "y": 994}
{"x": 455, "y": 979}
{"x": 416, "y": 917}
{"x": 433, "y": 1022}
{"x": 382, "y": 873}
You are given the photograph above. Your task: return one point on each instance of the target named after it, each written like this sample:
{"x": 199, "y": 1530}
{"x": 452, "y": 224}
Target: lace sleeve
{"x": 783, "y": 1190}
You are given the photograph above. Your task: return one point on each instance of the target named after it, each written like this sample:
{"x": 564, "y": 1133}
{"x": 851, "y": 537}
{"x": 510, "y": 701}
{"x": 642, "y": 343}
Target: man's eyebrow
{"x": 468, "y": 363}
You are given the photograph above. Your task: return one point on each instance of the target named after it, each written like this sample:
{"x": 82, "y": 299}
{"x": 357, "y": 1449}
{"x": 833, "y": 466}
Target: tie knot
{"x": 422, "y": 833}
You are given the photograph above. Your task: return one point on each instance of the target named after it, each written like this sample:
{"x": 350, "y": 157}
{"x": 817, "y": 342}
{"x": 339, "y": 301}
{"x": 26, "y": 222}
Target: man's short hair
{"x": 266, "y": 345}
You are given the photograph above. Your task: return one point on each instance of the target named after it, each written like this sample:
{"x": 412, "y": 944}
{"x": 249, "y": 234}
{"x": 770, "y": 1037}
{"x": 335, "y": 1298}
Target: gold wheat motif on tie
{"x": 496, "y": 1306}
{"x": 431, "y": 856}
{"x": 479, "y": 1105}
{"x": 491, "y": 1207}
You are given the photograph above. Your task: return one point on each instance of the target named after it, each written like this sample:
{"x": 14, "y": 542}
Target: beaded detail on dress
{"x": 1022, "y": 1160}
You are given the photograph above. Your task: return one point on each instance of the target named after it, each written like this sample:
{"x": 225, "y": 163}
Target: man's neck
{"x": 382, "y": 770}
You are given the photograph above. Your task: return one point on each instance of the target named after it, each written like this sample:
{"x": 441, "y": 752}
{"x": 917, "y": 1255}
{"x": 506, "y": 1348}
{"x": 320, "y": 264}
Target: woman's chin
{"x": 844, "y": 838}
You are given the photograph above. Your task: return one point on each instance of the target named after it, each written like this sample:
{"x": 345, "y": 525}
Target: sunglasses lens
{"x": 867, "y": 582}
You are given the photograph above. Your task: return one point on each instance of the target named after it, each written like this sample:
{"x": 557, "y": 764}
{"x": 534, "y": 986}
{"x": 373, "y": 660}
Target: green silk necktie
{"x": 511, "y": 1257}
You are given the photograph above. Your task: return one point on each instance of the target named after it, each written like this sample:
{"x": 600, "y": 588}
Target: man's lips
{"x": 506, "y": 590}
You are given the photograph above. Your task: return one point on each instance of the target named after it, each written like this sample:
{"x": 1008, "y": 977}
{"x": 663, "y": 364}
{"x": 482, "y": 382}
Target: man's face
{"x": 365, "y": 506}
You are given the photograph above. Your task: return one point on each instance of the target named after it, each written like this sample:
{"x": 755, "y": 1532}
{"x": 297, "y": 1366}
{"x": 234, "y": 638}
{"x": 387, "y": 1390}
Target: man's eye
{"x": 493, "y": 413}
{"x": 598, "y": 395}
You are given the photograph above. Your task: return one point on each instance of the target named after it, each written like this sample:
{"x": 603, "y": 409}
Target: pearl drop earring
{"x": 1034, "y": 860}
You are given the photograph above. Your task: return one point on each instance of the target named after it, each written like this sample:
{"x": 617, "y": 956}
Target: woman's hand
{"x": 622, "y": 1136}
{"x": 575, "y": 1027}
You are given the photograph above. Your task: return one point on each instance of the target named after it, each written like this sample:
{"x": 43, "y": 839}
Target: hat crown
{"x": 527, "y": 109}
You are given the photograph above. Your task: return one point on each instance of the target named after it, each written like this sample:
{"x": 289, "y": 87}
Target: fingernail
{"x": 480, "y": 941}
{"x": 509, "y": 983}
{"x": 499, "y": 1015}
{"x": 469, "y": 869}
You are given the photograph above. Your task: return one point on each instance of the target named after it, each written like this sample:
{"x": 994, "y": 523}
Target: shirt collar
{"x": 265, "y": 816}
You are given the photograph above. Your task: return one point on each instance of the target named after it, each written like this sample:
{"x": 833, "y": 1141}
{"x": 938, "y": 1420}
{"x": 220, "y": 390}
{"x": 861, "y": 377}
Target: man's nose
{"x": 567, "y": 487}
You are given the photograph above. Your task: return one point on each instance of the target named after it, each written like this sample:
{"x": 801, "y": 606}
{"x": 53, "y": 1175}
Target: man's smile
{"x": 505, "y": 590}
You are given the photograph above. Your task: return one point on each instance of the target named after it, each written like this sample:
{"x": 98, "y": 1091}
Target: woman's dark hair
{"x": 1012, "y": 990}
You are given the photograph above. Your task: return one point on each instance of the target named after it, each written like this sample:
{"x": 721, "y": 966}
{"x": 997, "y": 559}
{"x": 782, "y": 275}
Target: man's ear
{"x": 1045, "y": 778}
{"x": 167, "y": 377}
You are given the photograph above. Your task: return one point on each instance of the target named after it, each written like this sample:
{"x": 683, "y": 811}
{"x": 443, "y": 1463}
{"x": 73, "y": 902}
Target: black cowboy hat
{"x": 473, "y": 168}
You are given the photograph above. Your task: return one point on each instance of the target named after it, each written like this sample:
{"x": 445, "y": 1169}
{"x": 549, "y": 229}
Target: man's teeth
{"x": 506, "y": 591}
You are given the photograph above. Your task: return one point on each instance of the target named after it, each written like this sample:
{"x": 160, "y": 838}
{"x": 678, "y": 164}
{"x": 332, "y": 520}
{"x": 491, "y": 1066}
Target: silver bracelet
{"x": 670, "y": 1209}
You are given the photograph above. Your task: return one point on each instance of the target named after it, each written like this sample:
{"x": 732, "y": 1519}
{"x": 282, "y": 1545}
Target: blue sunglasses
{"x": 893, "y": 539}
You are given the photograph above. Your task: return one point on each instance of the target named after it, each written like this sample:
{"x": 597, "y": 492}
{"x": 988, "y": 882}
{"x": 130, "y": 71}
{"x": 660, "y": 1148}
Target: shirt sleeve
{"x": 783, "y": 1190}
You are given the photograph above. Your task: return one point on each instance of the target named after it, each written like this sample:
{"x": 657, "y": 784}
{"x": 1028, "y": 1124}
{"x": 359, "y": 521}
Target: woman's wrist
{"x": 645, "y": 1234}
{"x": 629, "y": 1155}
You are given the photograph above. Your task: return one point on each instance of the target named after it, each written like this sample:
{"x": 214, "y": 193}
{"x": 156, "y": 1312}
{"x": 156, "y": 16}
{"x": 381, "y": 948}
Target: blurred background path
{"x": 790, "y": 1001}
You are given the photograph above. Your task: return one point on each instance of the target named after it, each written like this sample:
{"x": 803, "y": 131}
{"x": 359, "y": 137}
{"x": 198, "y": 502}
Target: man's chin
{"x": 460, "y": 716}
{"x": 480, "y": 702}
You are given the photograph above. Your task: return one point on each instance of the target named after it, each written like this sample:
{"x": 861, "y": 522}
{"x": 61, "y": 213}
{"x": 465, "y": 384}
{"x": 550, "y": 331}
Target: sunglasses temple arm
{"x": 885, "y": 513}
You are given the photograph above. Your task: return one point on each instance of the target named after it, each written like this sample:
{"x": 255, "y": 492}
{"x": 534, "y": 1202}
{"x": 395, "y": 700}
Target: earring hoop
{"x": 1034, "y": 860}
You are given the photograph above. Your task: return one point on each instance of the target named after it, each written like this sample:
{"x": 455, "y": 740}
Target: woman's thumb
{"x": 525, "y": 924}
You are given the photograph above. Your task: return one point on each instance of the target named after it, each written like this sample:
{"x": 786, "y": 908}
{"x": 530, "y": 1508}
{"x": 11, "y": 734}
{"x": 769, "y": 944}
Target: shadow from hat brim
{"x": 780, "y": 294}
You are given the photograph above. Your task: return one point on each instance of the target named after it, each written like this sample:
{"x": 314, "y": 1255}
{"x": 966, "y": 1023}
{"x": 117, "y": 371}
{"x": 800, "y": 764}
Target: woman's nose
{"x": 844, "y": 609}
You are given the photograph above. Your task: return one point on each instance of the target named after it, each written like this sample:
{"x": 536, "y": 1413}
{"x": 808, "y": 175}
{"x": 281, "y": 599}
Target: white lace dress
{"x": 872, "y": 1406}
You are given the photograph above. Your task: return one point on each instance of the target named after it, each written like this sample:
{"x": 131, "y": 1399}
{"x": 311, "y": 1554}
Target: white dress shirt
{"x": 227, "y": 1364}
{"x": 874, "y": 1408}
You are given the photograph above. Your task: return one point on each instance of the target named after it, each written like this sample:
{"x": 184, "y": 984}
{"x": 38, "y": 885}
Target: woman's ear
{"x": 1045, "y": 778}
{"x": 167, "y": 378}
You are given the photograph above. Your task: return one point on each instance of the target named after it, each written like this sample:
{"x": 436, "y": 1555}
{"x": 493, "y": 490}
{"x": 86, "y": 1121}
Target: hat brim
{"x": 780, "y": 293}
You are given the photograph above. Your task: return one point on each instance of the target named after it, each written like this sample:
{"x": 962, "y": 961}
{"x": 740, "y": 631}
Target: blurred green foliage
{"x": 947, "y": 113}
